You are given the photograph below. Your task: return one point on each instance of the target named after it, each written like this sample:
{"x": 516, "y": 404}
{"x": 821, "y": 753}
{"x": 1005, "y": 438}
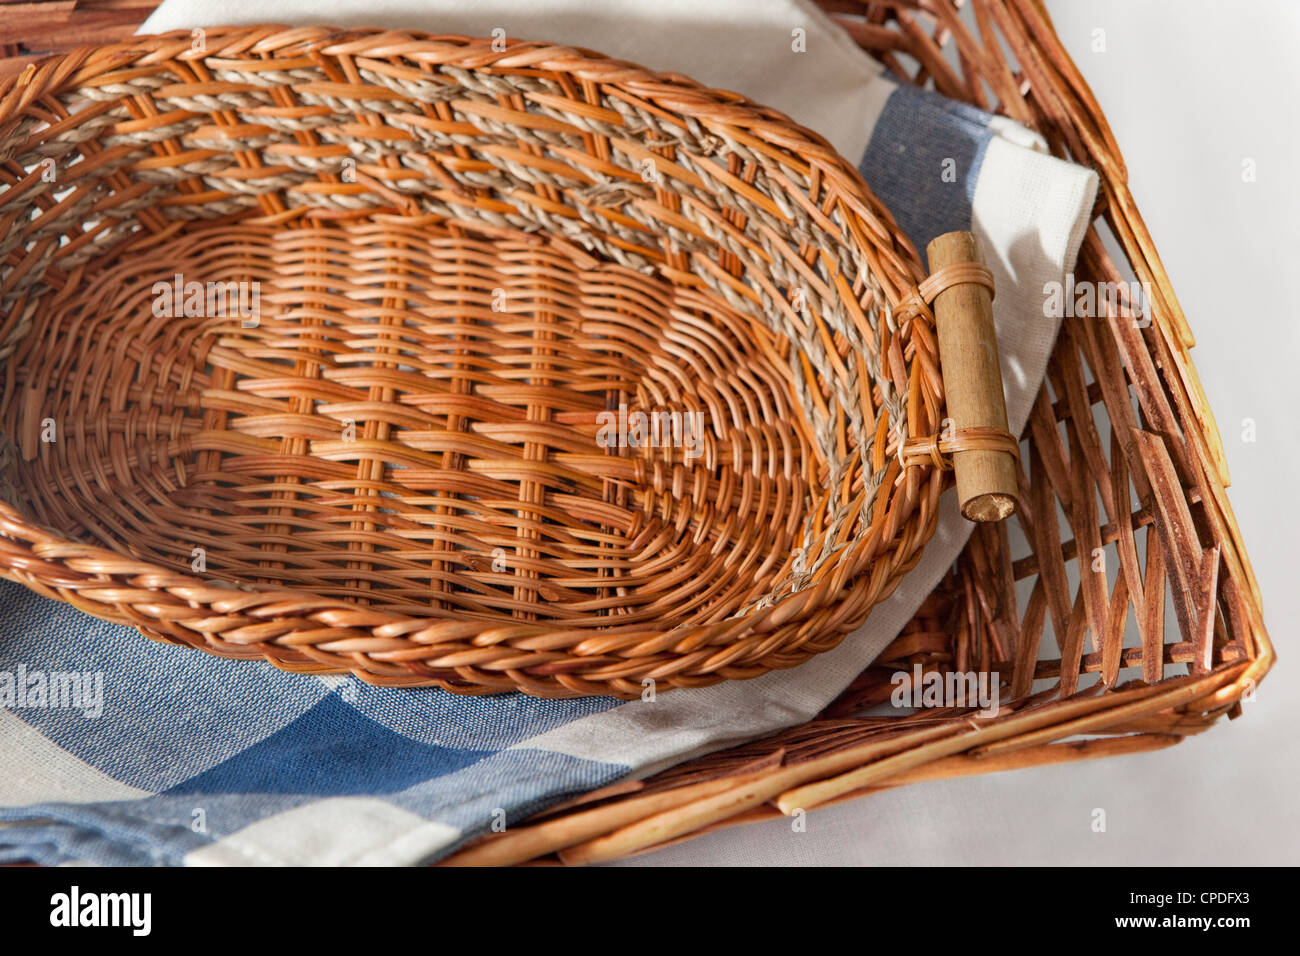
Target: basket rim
{"x": 49, "y": 73}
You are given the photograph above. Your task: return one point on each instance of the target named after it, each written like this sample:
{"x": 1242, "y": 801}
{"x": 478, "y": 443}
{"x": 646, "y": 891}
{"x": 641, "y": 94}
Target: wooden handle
{"x": 972, "y": 381}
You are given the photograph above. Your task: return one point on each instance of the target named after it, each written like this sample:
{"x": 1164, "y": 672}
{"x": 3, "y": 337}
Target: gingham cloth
{"x": 199, "y": 760}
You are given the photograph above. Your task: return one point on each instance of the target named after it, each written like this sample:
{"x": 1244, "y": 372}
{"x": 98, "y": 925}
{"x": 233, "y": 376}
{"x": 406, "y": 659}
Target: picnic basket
{"x": 1171, "y": 643}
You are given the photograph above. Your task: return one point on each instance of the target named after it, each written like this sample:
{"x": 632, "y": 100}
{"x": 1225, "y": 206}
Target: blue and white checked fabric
{"x": 192, "y": 759}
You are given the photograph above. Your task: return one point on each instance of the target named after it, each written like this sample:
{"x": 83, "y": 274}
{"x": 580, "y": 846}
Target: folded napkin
{"x": 185, "y": 758}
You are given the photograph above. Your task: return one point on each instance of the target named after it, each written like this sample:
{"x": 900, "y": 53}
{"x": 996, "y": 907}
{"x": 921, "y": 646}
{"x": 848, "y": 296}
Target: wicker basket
{"x": 1195, "y": 664}
{"x": 443, "y": 363}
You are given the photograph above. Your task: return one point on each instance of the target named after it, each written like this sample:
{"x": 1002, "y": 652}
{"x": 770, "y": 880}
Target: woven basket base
{"x": 419, "y": 422}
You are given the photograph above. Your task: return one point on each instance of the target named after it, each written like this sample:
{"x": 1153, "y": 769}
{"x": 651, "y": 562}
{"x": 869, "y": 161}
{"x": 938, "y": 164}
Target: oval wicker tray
{"x": 447, "y": 365}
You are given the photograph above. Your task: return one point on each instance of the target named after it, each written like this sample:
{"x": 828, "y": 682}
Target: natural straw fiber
{"x": 460, "y": 366}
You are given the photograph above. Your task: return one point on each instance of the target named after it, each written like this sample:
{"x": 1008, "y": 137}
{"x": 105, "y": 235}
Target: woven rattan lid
{"x": 446, "y": 362}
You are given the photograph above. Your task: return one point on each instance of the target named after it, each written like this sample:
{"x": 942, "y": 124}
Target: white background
{"x": 1191, "y": 88}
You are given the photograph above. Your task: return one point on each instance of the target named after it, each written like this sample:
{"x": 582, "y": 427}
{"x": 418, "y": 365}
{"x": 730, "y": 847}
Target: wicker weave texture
{"x": 1111, "y": 375}
{"x": 547, "y": 372}
{"x": 1121, "y": 454}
